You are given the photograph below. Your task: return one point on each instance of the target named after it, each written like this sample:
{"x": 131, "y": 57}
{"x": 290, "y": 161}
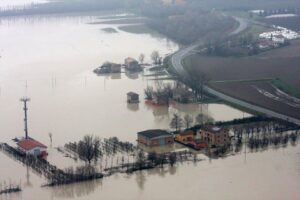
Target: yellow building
{"x": 186, "y": 136}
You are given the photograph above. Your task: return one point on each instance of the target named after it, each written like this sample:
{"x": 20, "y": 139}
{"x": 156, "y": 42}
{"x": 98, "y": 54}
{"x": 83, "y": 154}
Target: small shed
{"x": 132, "y": 97}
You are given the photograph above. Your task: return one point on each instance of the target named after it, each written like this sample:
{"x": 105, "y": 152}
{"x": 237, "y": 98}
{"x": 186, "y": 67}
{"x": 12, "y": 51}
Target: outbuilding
{"x": 155, "y": 137}
{"x": 30, "y": 146}
{"x": 132, "y": 97}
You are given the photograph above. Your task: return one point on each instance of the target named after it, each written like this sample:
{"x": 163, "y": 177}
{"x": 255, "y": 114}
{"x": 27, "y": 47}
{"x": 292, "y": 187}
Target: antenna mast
{"x": 25, "y": 100}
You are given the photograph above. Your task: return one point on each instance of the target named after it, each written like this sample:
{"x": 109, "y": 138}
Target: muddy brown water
{"x": 51, "y": 59}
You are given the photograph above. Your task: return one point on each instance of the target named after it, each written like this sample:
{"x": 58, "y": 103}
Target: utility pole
{"x": 25, "y": 100}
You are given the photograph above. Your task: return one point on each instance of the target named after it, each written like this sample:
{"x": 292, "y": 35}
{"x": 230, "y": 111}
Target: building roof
{"x": 213, "y": 129}
{"x": 129, "y": 60}
{"x": 154, "y": 133}
{"x": 28, "y": 144}
{"x": 186, "y": 133}
{"x": 132, "y": 94}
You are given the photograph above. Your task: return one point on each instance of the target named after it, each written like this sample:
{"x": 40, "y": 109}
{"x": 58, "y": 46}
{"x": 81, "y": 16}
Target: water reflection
{"x": 76, "y": 190}
{"x": 132, "y": 75}
{"x": 133, "y": 107}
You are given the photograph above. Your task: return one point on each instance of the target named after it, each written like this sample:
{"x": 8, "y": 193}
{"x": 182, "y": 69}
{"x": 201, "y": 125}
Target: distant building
{"x": 160, "y": 98}
{"x": 132, "y": 97}
{"x": 183, "y": 95}
{"x": 265, "y": 44}
{"x": 115, "y": 68}
{"x": 186, "y": 136}
{"x": 30, "y": 146}
{"x": 279, "y": 39}
{"x": 155, "y": 137}
{"x": 132, "y": 64}
{"x": 107, "y": 68}
{"x": 215, "y": 136}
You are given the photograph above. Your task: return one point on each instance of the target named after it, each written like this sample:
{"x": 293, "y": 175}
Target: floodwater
{"x": 51, "y": 58}
{"x": 273, "y": 174}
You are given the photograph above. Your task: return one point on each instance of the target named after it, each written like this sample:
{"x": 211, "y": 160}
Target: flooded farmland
{"x": 51, "y": 59}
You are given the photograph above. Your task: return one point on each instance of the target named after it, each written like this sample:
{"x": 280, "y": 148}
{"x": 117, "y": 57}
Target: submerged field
{"x": 236, "y": 76}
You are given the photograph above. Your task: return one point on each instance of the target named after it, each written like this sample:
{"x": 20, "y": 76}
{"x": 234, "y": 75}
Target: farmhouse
{"x": 132, "y": 64}
{"x": 132, "y": 97}
{"x": 155, "y": 137}
{"x": 108, "y": 67}
{"x": 30, "y": 146}
{"x": 183, "y": 95}
{"x": 215, "y": 136}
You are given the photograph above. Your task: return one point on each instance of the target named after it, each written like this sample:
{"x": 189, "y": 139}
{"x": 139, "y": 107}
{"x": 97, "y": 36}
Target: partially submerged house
{"x": 108, "y": 67}
{"x": 132, "y": 97}
{"x": 160, "y": 98}
{"x": 33, "y": 147}
{"x": 155, "y": 137}
{"x": 132, "y": 65}
{"x": 183, "y": 95}
{"x": 215, "y": 136}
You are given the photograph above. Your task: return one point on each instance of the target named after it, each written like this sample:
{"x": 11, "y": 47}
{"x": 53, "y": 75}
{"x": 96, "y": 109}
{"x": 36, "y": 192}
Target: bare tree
{"x": 141, "y": 58}
{"x": 188, "y": 121}
{"x": 176, "y": 122}
{"x": 149, "y": 93}
{"x": 172, "y": 158}
{"x": 202, "y": 119}
{"x": 140, "y": 159}
{"x": 89, "y": 148}
{"x": 155, "y": 57}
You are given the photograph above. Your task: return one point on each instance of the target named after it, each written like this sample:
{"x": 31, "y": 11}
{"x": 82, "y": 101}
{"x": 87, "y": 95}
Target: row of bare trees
{"x": 155, "y": 57}
{"x": 187, "y": 121}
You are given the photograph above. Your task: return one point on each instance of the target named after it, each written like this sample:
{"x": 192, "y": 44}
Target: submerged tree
{"x": 89, "y": 148}
{"x": 140, "y": 159}
{"x": 176, "y": 122}
{"x": 155, "y": 57}
{"x": 188, "y": 121}
{"x": 141, "y": 58}
{"x": 172, "y": 158}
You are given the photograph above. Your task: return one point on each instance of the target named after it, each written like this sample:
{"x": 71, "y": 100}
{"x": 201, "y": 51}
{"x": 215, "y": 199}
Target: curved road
{"x": 177, "y": 58}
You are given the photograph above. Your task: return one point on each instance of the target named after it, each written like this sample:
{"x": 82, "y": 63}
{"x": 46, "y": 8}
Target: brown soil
{"x": 282, "y": 63}
{"x": 248, "y": 92}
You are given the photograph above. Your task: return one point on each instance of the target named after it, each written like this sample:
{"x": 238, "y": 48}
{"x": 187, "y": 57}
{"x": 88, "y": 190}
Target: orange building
{"x": 186, "y": 136}
{"x": 215, "y": 136}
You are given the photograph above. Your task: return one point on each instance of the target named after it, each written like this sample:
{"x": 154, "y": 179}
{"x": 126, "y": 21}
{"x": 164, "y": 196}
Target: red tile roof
{"x": 28, "y": 144}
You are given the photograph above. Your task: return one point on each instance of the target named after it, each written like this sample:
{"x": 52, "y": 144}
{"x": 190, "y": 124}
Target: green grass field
{"x": 289, "y": 89}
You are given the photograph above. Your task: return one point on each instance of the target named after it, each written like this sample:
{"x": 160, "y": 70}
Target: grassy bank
{"x": 285, "y": 87}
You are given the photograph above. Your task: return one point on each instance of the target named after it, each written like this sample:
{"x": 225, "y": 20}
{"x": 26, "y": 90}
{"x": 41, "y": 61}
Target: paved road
{"x": 177, "y": 58}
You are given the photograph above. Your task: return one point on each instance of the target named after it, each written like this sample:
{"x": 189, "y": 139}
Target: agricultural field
{"x": 262, "y": 93}
{"x": 243, "y": 77}
{"x": 292, "y": 23}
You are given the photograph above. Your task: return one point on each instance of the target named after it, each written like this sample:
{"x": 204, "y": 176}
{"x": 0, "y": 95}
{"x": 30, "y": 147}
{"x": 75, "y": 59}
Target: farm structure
{"x": 155, "y": 137}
